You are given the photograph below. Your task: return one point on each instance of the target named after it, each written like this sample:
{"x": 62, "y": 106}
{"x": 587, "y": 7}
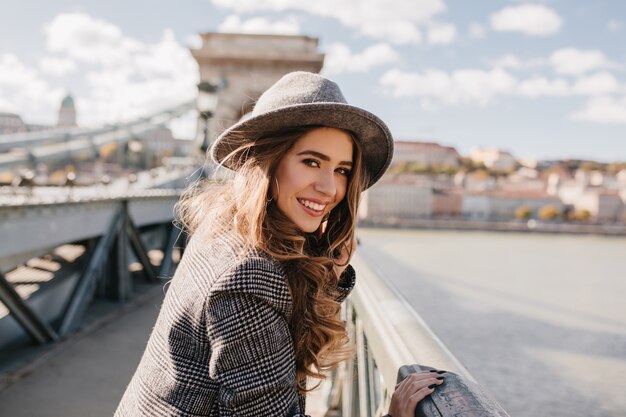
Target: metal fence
{"x": 110, "y": 232}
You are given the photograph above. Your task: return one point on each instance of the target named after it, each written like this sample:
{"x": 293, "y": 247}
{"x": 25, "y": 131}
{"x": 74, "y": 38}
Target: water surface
{"x": 539, "y": 319}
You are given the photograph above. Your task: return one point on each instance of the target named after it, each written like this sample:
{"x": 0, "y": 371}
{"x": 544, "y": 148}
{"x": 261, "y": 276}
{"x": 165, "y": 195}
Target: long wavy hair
{"x": 243, "y": 204}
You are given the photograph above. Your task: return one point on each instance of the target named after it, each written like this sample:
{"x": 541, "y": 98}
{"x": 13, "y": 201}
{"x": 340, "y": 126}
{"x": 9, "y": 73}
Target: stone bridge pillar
{"x": 246, "y": 65}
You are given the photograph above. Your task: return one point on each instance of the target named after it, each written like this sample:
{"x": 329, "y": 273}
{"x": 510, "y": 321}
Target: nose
{"x": 325, "y": 184}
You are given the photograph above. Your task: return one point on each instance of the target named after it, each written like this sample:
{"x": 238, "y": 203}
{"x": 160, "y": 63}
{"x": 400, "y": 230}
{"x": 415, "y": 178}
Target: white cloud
{"x": 476, "y": 30}
{"x": 531, "y": 19}
{"x": 614, "y": 25}
{"x": 193, "y": 40}
{"x": 442, "y": 34}
{"x": 507, "y": 61}
{"x": 605, "y": 110}
{"x": 572, "y": 61}
{"x": 339, "y": 58}
{"x": 115, "y": 77}
{"x": 56, "y": 66}
{"x": 602, "y": 83}
{"x": 474, "y": 86}
{"x": 513, "y": 62}
{"x": 287, "y": 26}
{"x": 395, "y": 21}
{"x": 541, "y": 87}
{"x": 161, "y": 75}
{"x": 86, "y": 39}
{"x": 24, "y": 91}
{"x": 466, "y": 86}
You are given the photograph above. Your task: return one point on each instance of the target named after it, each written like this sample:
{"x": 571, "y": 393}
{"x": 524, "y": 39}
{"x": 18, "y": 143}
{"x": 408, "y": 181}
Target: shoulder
{"x": 257, "y": 275}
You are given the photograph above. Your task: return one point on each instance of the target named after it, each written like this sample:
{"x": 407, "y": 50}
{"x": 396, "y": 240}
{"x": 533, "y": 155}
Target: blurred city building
{"x": 494, "y": 158}
{"x": 11, "y": 123}
{"x": 426, "y": 153}
{"x": 67, "y": 112}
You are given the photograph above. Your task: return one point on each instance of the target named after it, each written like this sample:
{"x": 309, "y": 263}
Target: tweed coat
{"x": 221, "y": 345}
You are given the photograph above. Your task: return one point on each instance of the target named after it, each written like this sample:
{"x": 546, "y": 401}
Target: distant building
{"x": 474, "y": 181}
{"x": 391, "y": 199}
{"x": 494, "y": 158}
{"x": 67, "y": 112}
{"x": 447, "y": 203}
{"x": 427, "y": 153}
{"x": 184, "y": 147}
{"x": 475, "y": 206}
{"x": 11, "y": 123}
{"x": 501, "y": 205}
{"x": 159, "y": 143}
{"x": 602, "y": 205}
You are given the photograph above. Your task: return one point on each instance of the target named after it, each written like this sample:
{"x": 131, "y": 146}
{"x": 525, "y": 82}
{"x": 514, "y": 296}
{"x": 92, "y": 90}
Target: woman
{"x": 253, "y": 309}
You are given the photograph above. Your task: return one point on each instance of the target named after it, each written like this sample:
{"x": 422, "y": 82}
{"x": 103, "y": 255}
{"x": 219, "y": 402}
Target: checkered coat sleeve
{"x": 221, "y": 345}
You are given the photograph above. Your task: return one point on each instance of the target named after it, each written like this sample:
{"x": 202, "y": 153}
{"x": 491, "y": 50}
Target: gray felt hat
{"x": 304, "y": 98}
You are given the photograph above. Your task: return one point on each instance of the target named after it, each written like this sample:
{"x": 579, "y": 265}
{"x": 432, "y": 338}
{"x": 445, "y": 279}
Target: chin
{"x": 308, "y": 228}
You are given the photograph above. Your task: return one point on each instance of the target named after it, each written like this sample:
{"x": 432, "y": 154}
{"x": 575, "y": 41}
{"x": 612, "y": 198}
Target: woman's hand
{"x": 413, "y": 389}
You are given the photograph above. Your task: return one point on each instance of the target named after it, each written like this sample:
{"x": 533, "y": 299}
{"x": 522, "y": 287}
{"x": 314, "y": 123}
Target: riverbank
{"x": 530, "y": 226}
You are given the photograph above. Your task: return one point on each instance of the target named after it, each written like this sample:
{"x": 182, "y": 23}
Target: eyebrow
{"x": 323, "y": 157}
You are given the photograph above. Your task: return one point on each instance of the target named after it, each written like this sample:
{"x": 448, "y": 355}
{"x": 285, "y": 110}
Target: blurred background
{"x": 502, "y": 220}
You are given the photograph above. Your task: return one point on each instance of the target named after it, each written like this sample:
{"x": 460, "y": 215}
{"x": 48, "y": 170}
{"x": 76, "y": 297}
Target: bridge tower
{"x": 245, "y": 65}
{"x": 67, "y": 112}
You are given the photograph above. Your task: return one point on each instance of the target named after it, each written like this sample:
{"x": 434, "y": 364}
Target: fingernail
{"x": 441, "y": 378}
{"x": 433, "y": 370}
{"x": 441, "y": 372}
{"x": 432, "y": 386}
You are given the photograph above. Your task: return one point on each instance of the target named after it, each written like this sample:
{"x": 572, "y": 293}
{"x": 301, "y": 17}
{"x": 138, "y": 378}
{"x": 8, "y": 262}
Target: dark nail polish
{"x": 433, "y": 370}
{"x": 441, "y": 372}
{"x": 441, "y": 378}
{"x": 432, "y": 386}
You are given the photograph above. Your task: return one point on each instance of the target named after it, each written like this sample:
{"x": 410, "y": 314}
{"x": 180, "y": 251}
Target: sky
{"x": 541, "y": 79}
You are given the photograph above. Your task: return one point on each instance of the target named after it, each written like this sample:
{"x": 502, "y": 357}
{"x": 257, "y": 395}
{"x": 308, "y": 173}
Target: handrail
{"x": 390, "y": 335}
{"x": 110, "y": 230}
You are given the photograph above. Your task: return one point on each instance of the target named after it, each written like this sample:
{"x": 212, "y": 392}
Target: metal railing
{"x": 392, "y": 341}
{"x": 109, "y": 230}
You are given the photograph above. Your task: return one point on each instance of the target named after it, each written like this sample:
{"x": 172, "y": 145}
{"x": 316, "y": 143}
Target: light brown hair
{"x": 244, "y": 205}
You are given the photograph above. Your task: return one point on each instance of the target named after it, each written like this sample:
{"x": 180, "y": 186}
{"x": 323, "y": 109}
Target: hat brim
{"x": 374, "y": 136}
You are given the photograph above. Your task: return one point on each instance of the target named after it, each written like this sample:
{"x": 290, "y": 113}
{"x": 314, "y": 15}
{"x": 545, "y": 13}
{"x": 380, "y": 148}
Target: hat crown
{"x": 298, "y": 88}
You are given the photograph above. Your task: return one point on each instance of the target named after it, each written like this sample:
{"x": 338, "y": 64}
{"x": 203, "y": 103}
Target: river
{"x": 538, "y": 319}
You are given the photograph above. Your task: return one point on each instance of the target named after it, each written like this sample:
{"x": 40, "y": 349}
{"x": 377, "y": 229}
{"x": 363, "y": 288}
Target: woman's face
{"x": 312, "y": 177}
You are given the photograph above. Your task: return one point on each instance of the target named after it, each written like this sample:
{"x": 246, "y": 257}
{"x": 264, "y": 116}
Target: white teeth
{"x": 312, "y": 205}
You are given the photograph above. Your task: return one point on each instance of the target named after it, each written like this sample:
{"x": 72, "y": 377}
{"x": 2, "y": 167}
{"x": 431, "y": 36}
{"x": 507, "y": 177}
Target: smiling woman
{"x": 312, "y": 177}
{"x": 253, "y": 310}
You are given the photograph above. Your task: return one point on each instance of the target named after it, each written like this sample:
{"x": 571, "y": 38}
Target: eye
{"x": 311, "y": 162}
{"x": 343, "y": 171}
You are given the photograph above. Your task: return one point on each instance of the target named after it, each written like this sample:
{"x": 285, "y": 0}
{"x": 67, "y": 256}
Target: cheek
{"x": 342, "y": 189}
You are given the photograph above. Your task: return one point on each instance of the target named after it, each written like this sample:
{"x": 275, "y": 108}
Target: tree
{"x": 582, "y": 215}
{"x": 523, "y": 213}
{"x": 549, "y": 212}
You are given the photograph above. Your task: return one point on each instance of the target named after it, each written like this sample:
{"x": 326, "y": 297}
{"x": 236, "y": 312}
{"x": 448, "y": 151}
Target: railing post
{"x": 85, "y": 287}
{"x": 36, "y": 328}
{"x": 170, "y": 244}
{"x": 120, "y": 279}
{"x": 137, "y": 245}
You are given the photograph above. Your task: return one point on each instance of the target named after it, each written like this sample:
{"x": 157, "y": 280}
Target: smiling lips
{"x": 314, "y": 209}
